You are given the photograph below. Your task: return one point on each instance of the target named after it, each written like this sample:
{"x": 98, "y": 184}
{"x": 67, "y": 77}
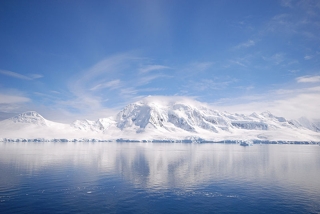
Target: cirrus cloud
{"x": 308, "y": 79}
{"x": 20, "y": 76}
{"x": 10, "y": 99}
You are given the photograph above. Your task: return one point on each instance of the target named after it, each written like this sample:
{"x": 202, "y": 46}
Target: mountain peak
{"x": 169, "y": 115}
{"x": 172, "y": 118}
{"x": 32, "y": 117}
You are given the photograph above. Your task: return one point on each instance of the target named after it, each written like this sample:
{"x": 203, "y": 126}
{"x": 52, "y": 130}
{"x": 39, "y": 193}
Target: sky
{"x": 80, "y": 59}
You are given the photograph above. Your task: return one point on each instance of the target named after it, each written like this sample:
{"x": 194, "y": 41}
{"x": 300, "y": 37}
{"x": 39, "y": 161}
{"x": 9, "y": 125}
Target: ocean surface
{"x": 158, "y": 178}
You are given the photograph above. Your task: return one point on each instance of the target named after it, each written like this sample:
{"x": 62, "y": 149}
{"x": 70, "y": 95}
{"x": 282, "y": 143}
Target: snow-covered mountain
{"x": 31, "y": 125}
{"x": 160, "y": 119}
{"x": 187, "y": 118}
{"x": 99, "y": 125}
{"x": 28, "y": 119}
{"x": 303, "y": 122}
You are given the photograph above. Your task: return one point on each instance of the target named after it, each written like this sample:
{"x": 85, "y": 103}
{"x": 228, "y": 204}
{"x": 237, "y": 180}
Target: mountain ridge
{"x": 174, "y": 119}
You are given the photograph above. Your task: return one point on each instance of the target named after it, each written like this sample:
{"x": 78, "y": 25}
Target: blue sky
{"x": 88, "y": 59}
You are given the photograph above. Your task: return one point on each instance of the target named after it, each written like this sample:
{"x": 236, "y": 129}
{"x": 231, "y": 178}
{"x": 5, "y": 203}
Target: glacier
{"x": 164, "y": 120}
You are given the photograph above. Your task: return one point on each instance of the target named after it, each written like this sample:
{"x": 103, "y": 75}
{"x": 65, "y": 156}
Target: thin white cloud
{"x": 308, "y": 79}
{"x": 35, "y": 76}
{"x": 290, "y": 103}
{"x": 20, "y": 76}
{"x": 244, "y": 61}
{"x": 201, "y": 66}
{"x": 209, "y": 84}
{"x": 13, "y": 102}
{"x": 12, "y": 99}
{"x": 301, "y": 19}
{"x": 286, "y": 3}
{"x": 110, "y": 85}
{"x": 308, "y": 57}
{"x": 105, "y": 83}
{"x": 85, "y": 99}
{"x": 238, "y": 62}
{"x": 193, "y": 69}
{"x": 128, "y": 91}
{"x": 310, "y": 7}
{"x": 280, "y": 23}
{"x": 152, "y": 68}
{"x": 277, "y": 58}
{"x": 14, "y": 74}
{"x": 147, "y": 79}
{"x": 246, "y": 44}
{"x": 292, "y": 62}
{"x": 150, "y": 89}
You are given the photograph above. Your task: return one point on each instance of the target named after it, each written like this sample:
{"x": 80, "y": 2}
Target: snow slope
{"x": 184, "y": 119}
{"x": 154, "y": 118}
{"x": 30, "y": 125}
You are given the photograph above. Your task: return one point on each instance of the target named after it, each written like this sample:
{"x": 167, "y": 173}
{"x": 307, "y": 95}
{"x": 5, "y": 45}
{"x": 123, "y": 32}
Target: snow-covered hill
{"x": 159, "y": 119}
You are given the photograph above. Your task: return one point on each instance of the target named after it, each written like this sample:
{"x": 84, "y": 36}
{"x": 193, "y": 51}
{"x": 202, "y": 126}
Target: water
{"x": 158, "y": 178}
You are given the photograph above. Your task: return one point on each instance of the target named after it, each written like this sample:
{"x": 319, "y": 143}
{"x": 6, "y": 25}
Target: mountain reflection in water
{"x": 153, "y": 167}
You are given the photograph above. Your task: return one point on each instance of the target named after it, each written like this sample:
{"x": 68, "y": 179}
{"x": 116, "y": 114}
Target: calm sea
{"x": 158, "y": 178}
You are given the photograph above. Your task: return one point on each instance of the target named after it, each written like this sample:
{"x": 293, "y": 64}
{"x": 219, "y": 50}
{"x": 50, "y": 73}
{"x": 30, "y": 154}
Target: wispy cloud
{"x": 209, "y": 84}
{"x": 294, "y": 70}
{"x": 243, "y": 61}
{"x": 129, "y": 91}
{"x": 201, "y": 66}
{"x": 150, "y": 68}
{"x": 246, "y": 44}
{"x": 301, "y": 18}
{"x": 147, "y": 79}
{"x": 290, "y": 103}
{"x": 192, "y": 69}
{"x": 11, "y": 99}
{"x": 150, "y": 89}
{"x": 308, "y": 57}
{"x": 276, "y": 58}
{"x": 110, "y": 85}
{"x": 20, "y": 76}
{"x": 35, "y": 76}
{"x": 84, "y": 87}
{"x": 104, "y": 85}
{"x": 238, "y": 62}
{"x": 280, "y": 23}
{"x": 311, "y": 7}
{"x": 12, "y": 102}
{"x": 308, "y": 79}
{"x": 286, "y": 3}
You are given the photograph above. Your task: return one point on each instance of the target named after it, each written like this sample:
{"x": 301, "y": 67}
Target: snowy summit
{"x": 154, "y": 118}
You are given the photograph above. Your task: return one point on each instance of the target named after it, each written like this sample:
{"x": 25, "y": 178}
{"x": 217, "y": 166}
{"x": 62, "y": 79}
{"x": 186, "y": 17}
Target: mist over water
{"x": 158, "y": 178}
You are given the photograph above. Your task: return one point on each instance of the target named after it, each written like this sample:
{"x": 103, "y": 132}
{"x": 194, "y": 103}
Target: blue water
{"x": 158, "y": 178}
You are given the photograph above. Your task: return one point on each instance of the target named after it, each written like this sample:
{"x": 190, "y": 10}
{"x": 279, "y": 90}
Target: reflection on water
{"x": 184, "y": 170}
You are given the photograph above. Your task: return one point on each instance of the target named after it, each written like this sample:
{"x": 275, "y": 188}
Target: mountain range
{"x": 158, "y": 119}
